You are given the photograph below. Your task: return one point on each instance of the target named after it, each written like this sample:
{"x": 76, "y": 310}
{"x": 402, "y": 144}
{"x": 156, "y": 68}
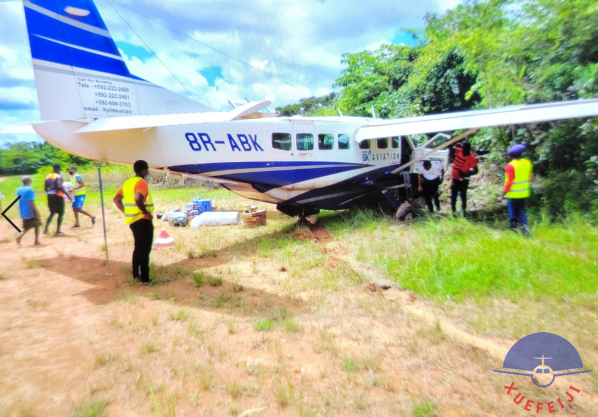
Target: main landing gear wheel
{"x": 405, "y": 213}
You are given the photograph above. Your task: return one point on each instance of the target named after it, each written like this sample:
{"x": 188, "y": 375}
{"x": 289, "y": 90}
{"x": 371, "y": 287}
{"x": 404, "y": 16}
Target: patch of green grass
{"x": 215, "y": 281}
{"x": 190, "y": 254}
{"x": 198, "y": 278}
{"x": 280, "y": 314}
{"x": 195, "y": 330}
{"x": 264, "y": 325}
{"x": 160, "y": 274}
{"x": 554, "y": 264}
{"x": 128, "y": 297}
{"x": 91, "y": 409}
{"x": 236, "y": 389}
{"x": 180, "y": 315}
{"x": 148, "y": 347}
{"x": 104, "y": 359}
{"x": 153, "y": 296}
{"x": 433, "y": 333}
{"x": 232, "y": 326}
{"x": 238, "y": 287}
{"x": 37, "y": 305}
{"x": 282, "y": 397}
{"x": 206, "y": 252}
{"x": 424, "y": 409}
{"x": 223, "y": 298}
{"x": 292, "y": 325}
{"x": 206, "y": 378}
{"x": 32, "y": 263}
{"x": 350, "y": 364}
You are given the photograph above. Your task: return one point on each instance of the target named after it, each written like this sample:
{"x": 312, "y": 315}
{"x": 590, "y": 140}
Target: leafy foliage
{"x": 28, "y": 157}
{"x": 312, "y": 106}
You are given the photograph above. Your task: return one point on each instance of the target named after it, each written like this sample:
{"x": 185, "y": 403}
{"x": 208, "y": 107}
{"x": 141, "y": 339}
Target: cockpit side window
{"x": 382, "y": 143}
{"x": 365, "y": 144}
{"x": 282, "y": 141}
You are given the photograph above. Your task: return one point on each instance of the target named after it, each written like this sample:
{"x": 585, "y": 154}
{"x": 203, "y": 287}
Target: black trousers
{"x": 56, "y": 206}
{"x": 143, "y": 233}
{"x": 430, "y": 191}
{"x": 459, "y": 187}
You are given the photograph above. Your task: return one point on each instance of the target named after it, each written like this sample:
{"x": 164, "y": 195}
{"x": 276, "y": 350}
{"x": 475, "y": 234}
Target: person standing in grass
{"x": 135, "y": 201}
{"x": 80, "y": 192}
{"x": 430, "y": 178}
{"x": 28, "y": 211}
{"x": 56, "y": 193}
{"x": 464, "y": 166}
{"x": 518, "y": 174}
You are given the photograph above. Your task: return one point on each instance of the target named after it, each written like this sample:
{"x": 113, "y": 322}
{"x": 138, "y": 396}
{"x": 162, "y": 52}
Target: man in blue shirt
{"x": 28, "y": 211}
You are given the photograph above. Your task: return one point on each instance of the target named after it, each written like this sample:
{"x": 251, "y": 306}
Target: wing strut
{"x": 444, "y": 145}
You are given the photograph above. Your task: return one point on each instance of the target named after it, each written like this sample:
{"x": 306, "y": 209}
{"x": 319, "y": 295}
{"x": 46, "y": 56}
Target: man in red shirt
{"x": 465, "y": 164}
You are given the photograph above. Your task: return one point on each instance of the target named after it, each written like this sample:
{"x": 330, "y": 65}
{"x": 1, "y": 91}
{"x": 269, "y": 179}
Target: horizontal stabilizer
{"x": 531, "y": 113}
{"x": 21, "y": 128}
{"x": 147, "y": 122}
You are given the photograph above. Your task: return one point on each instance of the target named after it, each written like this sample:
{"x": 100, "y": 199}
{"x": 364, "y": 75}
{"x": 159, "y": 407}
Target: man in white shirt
{"x": 430, "y": 177}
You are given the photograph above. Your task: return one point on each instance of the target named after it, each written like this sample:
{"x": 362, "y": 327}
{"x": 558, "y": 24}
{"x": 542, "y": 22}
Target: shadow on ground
{"x": 228, "y": 297}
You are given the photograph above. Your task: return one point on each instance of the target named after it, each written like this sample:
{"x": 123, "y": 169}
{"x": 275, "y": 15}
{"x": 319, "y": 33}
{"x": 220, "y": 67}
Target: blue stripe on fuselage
{"x": 281, "y": 173}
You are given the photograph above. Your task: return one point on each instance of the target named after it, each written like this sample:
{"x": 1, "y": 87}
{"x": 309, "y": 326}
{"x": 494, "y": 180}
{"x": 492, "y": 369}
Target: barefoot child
{"x": 29, "y": 213}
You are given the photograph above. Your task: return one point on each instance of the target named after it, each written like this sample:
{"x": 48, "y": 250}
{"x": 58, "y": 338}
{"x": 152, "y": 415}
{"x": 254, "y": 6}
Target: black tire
{"x": 405, "y": 213}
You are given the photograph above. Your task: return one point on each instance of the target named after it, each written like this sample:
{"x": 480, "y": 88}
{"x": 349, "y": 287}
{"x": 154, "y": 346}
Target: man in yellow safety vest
{"x": 79, "y": 192}
{"x": 135, "y": 201}
{"x": 518, "y": 174}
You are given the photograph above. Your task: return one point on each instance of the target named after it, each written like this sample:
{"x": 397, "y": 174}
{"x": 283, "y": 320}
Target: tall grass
{"x": 458, "y": 259}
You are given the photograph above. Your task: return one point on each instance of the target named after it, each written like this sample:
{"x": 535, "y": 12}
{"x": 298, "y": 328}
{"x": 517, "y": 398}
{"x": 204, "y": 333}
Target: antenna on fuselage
{"x": 373, "y": 112}
{"x": 340, "y": 112}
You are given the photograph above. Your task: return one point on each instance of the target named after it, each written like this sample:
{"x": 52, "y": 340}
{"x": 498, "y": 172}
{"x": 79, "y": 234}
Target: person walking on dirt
{"x": 518, "y": 174}
{"x": 28, "y": 211}
{"x": 56, "y": 193}
{"x": 430, "y": 178}
{"x": 135, "y": 201}
{"x": 80, "y": 192}
{"x": 464, "y": 166}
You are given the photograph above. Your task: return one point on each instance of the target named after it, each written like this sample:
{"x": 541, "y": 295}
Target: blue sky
{"x": 220, "y": 50}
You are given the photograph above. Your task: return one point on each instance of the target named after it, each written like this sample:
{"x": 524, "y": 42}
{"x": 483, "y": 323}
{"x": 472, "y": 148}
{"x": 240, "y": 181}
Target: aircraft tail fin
{"x": 79, "y": 71}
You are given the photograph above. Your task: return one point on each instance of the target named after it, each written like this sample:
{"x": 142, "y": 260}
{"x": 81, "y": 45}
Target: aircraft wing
{"x": 108, "y": 124}
{"x": 475, "y": 119}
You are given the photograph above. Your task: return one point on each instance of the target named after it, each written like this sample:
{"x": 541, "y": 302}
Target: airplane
{"x": 92, "y": 106}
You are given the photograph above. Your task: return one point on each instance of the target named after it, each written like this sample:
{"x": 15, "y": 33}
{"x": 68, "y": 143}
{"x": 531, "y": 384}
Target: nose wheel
{"x": 405, "y": 212}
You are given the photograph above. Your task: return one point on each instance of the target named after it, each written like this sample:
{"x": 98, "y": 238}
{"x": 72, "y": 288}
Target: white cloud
{"x": 280, "y": 51}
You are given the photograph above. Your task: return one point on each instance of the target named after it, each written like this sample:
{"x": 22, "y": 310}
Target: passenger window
{"x": 305, "y": 141}
{"x": 364, "y": 144}
{"x": 395, "y": 142}
{"x": 382, "y": 143}
{"x": 282, "y": 141}
{"x": 343, "y": 141}
{"x": 325, "y": 142}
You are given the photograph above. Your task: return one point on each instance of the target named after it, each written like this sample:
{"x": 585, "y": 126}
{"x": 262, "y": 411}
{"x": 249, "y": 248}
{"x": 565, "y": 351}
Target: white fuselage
{"x": 272, "y": 152}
